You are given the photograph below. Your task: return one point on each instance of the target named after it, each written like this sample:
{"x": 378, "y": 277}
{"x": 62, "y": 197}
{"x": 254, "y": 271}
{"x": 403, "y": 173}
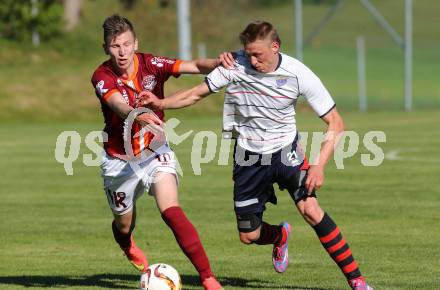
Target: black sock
{"x": 269, "y": 234}
{"x": 122, "y": 239}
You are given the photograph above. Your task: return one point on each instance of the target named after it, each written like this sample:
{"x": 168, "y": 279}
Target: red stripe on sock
{"x": 343, "y": 256}
{"x": 330, "y": 236}
{"x": 350, "y": 267}
{"x": 354, "y": 280}
{"x": 336, "y": 247}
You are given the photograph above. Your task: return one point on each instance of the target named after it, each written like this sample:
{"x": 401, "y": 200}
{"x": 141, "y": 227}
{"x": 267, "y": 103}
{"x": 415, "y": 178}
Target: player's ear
{"x": 136, "y": 44}
{"x": 275, "y": 46}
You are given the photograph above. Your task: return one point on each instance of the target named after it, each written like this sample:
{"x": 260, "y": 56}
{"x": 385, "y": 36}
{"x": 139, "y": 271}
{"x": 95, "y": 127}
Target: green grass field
{"x": 55, "y": 229}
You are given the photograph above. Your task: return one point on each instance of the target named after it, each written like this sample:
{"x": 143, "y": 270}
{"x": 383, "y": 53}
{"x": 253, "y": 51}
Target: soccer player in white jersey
{"x": 259, "y": 111}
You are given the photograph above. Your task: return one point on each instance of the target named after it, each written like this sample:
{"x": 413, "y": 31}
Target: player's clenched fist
{"x": 226, "y": 59}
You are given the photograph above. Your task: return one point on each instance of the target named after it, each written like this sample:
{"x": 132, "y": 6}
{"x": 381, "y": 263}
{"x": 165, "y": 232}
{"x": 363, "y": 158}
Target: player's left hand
{"x": 226, "y": 59}
{"x": 315, "y": 177}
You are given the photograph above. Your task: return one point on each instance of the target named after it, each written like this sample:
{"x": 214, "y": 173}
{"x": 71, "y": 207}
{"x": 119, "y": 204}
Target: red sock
{"x": 188, "y": 240}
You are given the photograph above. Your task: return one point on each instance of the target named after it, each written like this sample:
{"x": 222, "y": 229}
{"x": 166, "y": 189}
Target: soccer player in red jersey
{"x": 118, "y": 82}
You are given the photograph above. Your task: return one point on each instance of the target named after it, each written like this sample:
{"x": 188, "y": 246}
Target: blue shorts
{"x": 253, "y": 183}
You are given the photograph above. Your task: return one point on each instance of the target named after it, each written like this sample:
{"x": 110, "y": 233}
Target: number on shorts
{"x": 165, "y": 157}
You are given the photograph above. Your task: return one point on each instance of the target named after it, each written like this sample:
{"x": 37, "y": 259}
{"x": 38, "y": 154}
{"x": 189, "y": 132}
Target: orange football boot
{"x": 211, "y": 284}
{"x": 136, "y": 257}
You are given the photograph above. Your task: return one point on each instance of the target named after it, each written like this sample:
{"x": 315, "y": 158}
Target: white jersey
{"x": 259, "y": 108}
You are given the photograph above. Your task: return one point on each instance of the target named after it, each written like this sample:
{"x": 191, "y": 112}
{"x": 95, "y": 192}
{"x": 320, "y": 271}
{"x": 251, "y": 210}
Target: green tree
{"x": 17, "y": 21}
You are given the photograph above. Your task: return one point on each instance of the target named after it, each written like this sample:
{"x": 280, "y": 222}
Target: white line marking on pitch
{"x": 394, "y": 155}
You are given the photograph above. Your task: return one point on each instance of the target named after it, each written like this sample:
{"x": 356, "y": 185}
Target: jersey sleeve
{"x": 219, "y": 78}
{"x": 104, "y": 85}
{"x": 311, "y": 87}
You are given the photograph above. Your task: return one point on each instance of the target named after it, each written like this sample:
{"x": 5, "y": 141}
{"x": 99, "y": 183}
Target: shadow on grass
{"x": 120, "y": 281}
{"x": 263, "y": 284}
{"x": 110, "y": 281}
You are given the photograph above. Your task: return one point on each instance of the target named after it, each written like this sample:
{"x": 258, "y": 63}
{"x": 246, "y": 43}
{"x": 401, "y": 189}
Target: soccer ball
{"x": 161, "y": 277}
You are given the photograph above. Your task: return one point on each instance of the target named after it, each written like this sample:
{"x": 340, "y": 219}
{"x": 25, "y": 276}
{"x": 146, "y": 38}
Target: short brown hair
{"x": 115, "y": 25}
{"x": 259, "y": 30}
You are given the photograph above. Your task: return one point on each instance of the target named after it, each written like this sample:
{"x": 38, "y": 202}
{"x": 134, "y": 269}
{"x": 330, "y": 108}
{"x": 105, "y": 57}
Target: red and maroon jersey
{"x": 150, "y": 74}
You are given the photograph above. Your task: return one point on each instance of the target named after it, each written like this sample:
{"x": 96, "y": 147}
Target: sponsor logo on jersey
{"x": 100, "y": 88}
{"x": 159, "y": 61}
{"x": 125, "y": 96}
{"x": 149, "y": 82}
{"x": 281, "y": 82}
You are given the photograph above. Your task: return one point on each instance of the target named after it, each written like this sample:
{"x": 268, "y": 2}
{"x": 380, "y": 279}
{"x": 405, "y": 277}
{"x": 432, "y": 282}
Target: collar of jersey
{"x": 136, "y": 67}
{"x": 280, "y": 59}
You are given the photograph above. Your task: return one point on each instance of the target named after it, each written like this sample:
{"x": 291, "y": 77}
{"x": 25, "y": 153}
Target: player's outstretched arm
{"x": 315, "y": 177}
{"x": 117, "y": 103}
{"x": 177, "y": 100}
{"x": 205, "y": 66}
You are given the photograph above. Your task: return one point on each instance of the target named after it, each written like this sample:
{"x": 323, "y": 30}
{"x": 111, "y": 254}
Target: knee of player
{"x": 249, "y": 238}
{"x": 312, "y": 213}
{"x": 125, "y": 228}
{"x": 249, "y": 227}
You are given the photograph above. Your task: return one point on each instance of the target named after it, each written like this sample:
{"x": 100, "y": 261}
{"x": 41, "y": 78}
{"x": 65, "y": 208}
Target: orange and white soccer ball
{"x": 161, "y": 277}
